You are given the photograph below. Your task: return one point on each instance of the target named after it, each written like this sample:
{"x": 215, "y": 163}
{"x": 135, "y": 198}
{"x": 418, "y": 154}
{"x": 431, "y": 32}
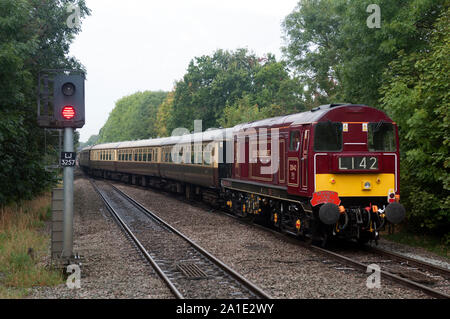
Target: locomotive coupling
{"x": 395, "y": 213}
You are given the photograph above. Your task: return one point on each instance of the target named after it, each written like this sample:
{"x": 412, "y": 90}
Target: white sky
{"x": 137, "y": 45}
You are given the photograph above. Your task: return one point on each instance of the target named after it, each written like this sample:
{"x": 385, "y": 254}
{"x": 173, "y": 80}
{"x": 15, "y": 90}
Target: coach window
{"x": 328, "y": 136}
{"x": 381, "y": 137}
{"x": 206, "y": 154}
{"x": 295, "y": 141}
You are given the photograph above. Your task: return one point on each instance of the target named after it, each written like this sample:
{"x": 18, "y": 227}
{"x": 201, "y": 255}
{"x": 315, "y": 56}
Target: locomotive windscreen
{"x": 328, "y": 136}
{"x": 381, "y": 137}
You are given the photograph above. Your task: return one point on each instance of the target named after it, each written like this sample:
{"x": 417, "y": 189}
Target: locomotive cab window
{"x": 294, "y": 141}
{"x": 328, "y": 136}
{"x": 381, "y": 137}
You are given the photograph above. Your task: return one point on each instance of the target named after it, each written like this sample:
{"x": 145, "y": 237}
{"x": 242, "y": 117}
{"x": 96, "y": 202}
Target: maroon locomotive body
{"x": 338, "y": 172}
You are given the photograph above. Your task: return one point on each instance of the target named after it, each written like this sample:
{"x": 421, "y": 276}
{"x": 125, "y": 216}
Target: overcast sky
{"x": 137, "y": 45}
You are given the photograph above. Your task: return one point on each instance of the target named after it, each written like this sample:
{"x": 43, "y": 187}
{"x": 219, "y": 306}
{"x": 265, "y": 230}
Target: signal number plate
{"x": 68, "y": 159}
{"x": 358, "y": 163}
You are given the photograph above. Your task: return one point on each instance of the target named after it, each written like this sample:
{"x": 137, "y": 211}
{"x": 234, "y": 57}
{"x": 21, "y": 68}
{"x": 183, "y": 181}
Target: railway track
{"x": 188, "y": 270}
{"x": 410, "y": 277}
{"x": 427, "y": 279}
{"x": 409, "y": 272}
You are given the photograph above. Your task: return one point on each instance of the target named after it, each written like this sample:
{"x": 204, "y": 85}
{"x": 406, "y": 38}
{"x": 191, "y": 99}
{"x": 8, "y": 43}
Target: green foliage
{"x": 340, "y": 58}
{"x": 91, "y": 141}
{"x": 133, "y": 118}
{"x": 431, "y": 243}
{"x": 217, "y": 88}
{"x": 33, "y": 36}
{"x": 240, "y": 112}
{"x": 163, "y": 115}
{"x": 416, "y": 95}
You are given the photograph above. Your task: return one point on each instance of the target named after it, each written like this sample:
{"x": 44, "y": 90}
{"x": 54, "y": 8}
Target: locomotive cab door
{"x": 293, "y": 160}
{"x": 304, "y": 157}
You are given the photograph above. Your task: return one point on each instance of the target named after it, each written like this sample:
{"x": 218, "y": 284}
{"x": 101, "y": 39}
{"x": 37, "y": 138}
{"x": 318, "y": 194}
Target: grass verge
{"x": 23, "y": 248}
{"x": 430, "y": 243}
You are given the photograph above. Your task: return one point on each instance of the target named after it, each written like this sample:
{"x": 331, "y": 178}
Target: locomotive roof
{"x": 315, "y": 115}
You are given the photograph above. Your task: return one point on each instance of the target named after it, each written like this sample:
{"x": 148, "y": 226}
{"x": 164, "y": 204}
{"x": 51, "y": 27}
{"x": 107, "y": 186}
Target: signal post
{"x": 61, "y": 105}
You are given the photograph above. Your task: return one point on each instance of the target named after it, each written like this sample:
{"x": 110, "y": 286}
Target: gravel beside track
{"x": 113, "y": 267}
{"x": 282, "y": 269}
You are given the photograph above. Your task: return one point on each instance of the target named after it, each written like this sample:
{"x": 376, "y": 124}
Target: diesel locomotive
{"x": 331, "y": 172}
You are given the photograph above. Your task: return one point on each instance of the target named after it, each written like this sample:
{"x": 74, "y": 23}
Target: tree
{"x": 33, "y": 36}
{"x": 416, "y": 94}
{"x": 164, "y": 116}
{"x": 133, "y": 117}
{"x": 91, "y": 141}
{"x": 340, "y": 58}
{"x": 223, "y": 85}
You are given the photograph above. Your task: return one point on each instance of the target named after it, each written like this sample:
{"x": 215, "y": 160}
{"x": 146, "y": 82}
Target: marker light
{"x": 68, "y": 89}
{"x": 68, "y": 112}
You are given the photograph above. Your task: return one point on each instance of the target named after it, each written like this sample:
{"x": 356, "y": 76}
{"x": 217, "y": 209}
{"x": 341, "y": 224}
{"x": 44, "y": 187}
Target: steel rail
{"x": 403, "y": 281}
{"x": 445, "y": 272}
{"x": 248, "y": 284}
{"x": 128, "y": 231}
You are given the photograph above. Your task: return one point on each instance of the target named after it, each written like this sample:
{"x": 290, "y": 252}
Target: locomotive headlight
{"x": 367, "y": 185}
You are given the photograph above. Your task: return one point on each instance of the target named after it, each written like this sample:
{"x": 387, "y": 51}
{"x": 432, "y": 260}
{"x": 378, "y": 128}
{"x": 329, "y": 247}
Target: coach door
{"x": 304, "y": 157}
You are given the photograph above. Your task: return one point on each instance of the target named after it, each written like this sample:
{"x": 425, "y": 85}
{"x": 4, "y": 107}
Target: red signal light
{"x": 68, "y": 112}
